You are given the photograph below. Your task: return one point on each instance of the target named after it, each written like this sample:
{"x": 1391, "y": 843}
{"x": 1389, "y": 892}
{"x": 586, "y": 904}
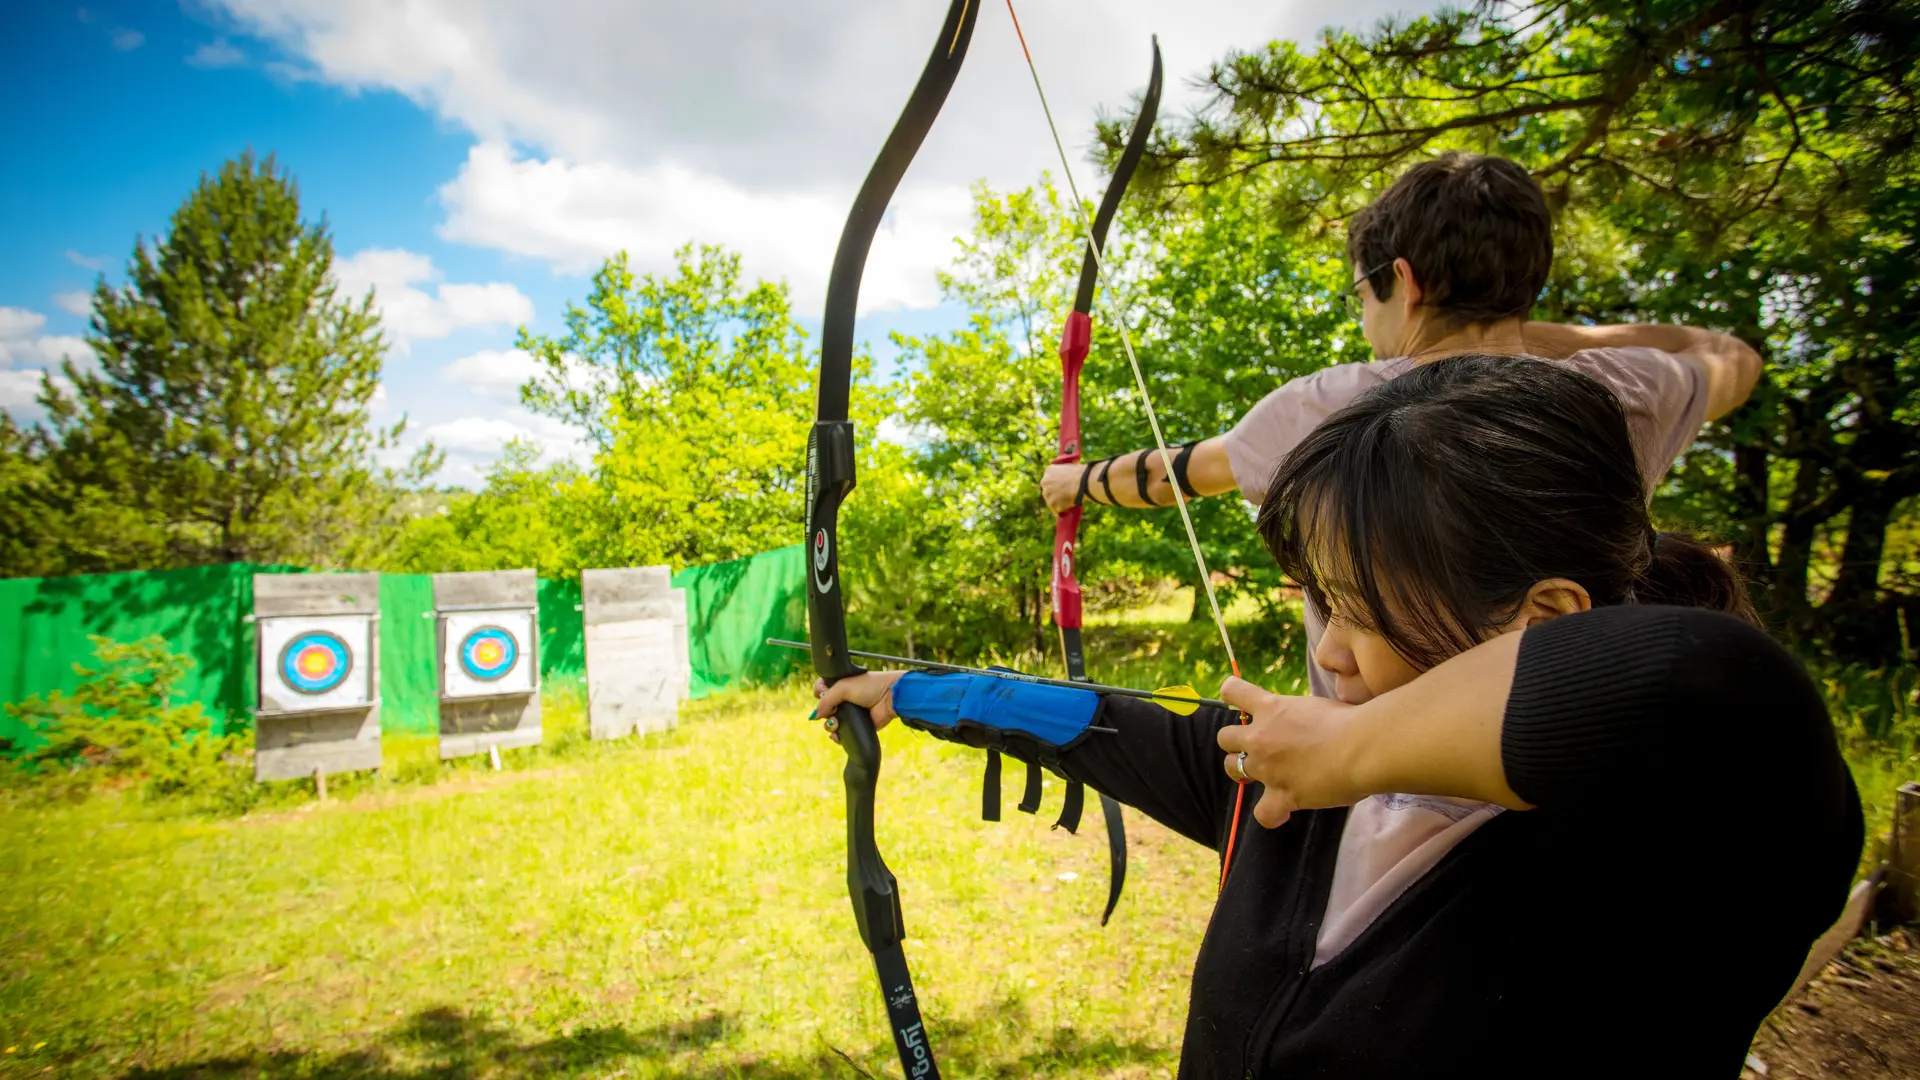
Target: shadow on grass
{"x": 445, "y": 1043}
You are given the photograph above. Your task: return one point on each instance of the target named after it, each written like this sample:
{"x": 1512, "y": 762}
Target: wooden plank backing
{"x": 316, "y": 594}
{"x": 508, "y": 588}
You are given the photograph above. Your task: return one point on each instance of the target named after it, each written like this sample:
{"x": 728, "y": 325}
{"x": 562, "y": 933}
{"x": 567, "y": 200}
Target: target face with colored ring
{"x": 488, "y": 652}
{"x": 315, "y": 662}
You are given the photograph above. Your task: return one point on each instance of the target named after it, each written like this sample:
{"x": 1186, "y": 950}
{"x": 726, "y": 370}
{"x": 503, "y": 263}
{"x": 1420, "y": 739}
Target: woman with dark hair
{"x": 1571, "y": 703}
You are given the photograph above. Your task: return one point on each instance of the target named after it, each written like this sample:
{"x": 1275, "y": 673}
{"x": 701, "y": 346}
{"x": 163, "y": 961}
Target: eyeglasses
{"x": 1356, "y": 304}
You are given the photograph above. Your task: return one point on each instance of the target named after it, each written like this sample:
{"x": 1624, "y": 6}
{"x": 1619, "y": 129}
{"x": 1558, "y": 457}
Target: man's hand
{"x": 1296, "y": 748}
{"x": 1060, "y": 484}
{"x": 1208, "y": 473}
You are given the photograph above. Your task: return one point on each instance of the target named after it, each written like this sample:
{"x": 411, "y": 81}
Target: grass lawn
{"x": 672, "y": 906}
{"x": 666, "y": 907}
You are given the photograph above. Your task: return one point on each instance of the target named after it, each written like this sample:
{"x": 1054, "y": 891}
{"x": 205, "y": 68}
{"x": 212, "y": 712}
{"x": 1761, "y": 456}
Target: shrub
{"x": 122, "y": 723}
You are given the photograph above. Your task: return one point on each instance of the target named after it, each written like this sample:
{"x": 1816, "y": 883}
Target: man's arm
{"x": 1208, "y": 473}
{"x": 1729, "y": 366}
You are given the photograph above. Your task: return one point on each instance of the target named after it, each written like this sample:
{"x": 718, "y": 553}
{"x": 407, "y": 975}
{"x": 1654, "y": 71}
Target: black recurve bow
{"x": 830, "y": 478}
{"x": 1075, "y": 338}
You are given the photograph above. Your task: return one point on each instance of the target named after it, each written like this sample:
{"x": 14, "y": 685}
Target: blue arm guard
{"x": 1052, "y": 716}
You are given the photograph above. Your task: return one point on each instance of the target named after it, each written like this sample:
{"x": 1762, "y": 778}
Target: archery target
{"x": 314, "y": 662}
{"x": 486, "y": 653}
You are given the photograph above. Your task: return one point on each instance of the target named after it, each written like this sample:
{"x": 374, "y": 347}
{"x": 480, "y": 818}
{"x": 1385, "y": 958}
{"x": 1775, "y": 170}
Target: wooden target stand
{"x": 317, "y": 648}
{"x": 487, "y": 650}
{"x": 637, "y": 651}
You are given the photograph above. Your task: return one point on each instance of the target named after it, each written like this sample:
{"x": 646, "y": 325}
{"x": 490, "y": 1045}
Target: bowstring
{"x": 1117, "y": 307}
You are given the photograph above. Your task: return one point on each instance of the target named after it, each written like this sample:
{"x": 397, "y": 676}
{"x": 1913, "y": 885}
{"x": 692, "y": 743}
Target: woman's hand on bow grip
{"x": 872, "y": 691}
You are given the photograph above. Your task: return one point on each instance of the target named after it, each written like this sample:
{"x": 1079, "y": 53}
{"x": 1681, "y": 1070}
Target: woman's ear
{"x": 1551, "y": 599}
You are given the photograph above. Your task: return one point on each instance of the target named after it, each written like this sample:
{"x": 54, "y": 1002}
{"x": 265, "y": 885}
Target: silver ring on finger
{"x": 1238, "y": 771}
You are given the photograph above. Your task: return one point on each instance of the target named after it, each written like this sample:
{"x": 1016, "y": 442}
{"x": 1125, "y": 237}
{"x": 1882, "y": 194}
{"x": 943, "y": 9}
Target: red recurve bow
{"x": 1075, "y": 338}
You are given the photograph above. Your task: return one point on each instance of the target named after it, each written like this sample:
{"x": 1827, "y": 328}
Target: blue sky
{"x": 476, "y": 159}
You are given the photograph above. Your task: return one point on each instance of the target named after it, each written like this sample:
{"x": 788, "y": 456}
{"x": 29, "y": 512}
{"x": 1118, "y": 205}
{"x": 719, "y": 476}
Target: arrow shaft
{"x": 1017, "y": 676}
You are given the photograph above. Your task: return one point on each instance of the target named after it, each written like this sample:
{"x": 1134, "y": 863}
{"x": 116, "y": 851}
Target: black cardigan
{"x": 1696, "y": 828}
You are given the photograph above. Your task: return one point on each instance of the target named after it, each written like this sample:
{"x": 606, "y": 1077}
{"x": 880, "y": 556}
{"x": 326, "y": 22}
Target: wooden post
{"x": 320, "y": 782}
{"x": 1900, "y": 903}
{"x": 493, "y": 755}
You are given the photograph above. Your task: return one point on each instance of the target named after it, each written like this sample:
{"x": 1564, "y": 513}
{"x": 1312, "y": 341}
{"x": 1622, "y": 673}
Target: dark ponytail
{"x": 1687, "y": 573}
{"x": 1433, "y": 503}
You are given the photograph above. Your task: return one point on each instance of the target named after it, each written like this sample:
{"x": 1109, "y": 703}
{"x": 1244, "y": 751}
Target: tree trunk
{"x": 1790, "y": 568}
{"x": 1751, "y": 467}
{"x": 1862, "y": 628}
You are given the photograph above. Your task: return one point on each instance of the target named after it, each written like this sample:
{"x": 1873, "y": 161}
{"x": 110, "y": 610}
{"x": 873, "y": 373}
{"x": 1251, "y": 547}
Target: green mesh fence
{"x": 44, "y": 623}
{"x": 732, "y": 608}
{"x": 563, "y": 637}
{"x": 409, "y": 690}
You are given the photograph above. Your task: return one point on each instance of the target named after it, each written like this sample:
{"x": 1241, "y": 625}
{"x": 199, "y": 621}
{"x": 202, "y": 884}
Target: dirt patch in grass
{"x": 1860, "y": 1018}
{"x": 364, "y": 801}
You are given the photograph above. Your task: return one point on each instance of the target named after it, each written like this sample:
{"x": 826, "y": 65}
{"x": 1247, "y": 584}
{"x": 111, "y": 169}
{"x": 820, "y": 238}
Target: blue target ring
{"x": 315, "y": 662}
{"x": 488, "y": 652}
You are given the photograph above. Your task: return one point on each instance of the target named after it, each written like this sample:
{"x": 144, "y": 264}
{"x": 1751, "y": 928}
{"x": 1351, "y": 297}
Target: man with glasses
{"x": 1446, "y": 262}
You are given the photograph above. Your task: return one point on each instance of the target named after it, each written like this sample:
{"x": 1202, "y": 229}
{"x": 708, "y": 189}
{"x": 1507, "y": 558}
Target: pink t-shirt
{"x": 1391, "y": 840}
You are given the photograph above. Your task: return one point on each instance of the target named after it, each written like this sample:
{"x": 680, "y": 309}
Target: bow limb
{"x": 830, "y": 478}
{"x": 1075, "y": 339}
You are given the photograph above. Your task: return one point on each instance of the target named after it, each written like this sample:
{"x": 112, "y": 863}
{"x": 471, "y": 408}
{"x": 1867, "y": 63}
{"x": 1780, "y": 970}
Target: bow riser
{"x": 1074, "y": 341}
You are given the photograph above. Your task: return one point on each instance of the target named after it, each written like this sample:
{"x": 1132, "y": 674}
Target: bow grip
{"x": 875, "y": 892}
{"x": 1066, "y": 587}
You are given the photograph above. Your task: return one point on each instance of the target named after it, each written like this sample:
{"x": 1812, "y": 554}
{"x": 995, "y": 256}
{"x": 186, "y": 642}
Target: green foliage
{"x": 122, "y": 723}
{"x": 1232, "y": 304}
{"x": 1223, "y": 305}
{"x": 227, "y": 420}
{"x": 695, "y": 393}
{"x": 1749, "y": 168}
{"x": 520, "y": 518}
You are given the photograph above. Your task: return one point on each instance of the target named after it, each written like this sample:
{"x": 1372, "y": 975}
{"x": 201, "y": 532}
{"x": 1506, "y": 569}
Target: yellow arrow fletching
{"x": 1167, "y": 698}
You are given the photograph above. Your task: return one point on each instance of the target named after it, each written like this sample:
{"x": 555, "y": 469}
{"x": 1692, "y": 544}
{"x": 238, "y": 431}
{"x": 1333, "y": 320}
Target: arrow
{"x": 1183, "y": 700}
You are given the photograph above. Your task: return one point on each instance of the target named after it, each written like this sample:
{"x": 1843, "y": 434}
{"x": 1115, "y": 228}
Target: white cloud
{"x": 482, "y": 435}
{"x": 16, "y": 323}
{"x": 23, "y": 345}
{"x": 647, "y": 124}
{"x": 409, "y": 314}
{"x": 496, "y": 374}
{"x": 25, "y": 353}
{"x": 574, "y": 216}
{"x": 74, "y": 302}
{"x": 218, "y": 53}
{"x": 95, "y": 263}
{"x": 473, "y": 443}
{"x": 20, "y": 392}
{"x": 125, "y": 39}
{"x": 766, "y": 95}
